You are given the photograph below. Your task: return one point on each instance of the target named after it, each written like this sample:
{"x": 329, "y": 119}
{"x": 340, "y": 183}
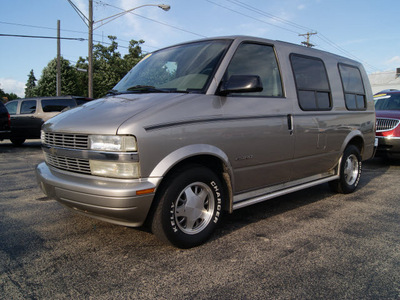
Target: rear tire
{"x": 189, "y": 207}
{"x": 350, "y": 171}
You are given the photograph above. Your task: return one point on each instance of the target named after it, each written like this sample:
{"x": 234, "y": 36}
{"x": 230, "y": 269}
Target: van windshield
{"x": 184, "y": 68}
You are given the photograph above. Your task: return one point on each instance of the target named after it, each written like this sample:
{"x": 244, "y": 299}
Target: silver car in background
{"x": 207, "y": 127}
{"x": 29, "y": 114}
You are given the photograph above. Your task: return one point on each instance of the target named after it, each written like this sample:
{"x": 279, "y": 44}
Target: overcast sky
{"x": 365, "y": 30}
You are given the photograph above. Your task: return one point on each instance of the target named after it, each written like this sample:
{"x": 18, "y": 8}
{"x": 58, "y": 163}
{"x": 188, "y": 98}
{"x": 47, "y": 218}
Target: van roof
{"x": 296, "y": 47}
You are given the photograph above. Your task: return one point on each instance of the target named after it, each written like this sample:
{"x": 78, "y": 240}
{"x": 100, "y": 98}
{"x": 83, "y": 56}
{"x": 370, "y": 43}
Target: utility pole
{"x": 90, "y": 54}
{"x": 307, "y": 43}
{"x": 89, "y": 23}
{"x": 58, "y": 80}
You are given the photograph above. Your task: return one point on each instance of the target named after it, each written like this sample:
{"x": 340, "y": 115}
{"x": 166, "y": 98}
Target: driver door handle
{"x": 290, "y": 123}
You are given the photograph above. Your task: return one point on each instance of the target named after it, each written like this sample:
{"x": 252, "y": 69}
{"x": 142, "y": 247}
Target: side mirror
{"x": 241, "y": 84}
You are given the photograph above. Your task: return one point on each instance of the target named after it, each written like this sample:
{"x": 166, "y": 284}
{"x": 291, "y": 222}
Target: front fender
{"x": 179, "y": 155}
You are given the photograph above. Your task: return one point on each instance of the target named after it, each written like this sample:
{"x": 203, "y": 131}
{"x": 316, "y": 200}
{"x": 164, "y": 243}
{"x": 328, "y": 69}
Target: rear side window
{"x": 353, "y": 87}
{"x": 12, "y": 107}
{"x": 28, "y": 107}
{"x": 312, "y": 83}
{"x": 57, "y": 105}
{"x": 260, "y": 60}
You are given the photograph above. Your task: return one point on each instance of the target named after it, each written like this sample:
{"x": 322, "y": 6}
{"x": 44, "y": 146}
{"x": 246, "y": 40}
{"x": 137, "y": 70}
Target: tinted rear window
{"x": 312, "y": 83}
{"x": 57, "y": 105}
{"x": 353, "y": 87}
{"x": 28, "y": 107}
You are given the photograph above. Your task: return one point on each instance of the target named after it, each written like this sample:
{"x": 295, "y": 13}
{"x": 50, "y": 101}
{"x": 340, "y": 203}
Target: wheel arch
{"x": 201, "y": 154}
{"x": 356, "y": 139}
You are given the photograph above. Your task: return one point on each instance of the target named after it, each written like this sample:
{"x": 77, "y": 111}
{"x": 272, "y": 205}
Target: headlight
{"x": 114, "y": 169}
{"x": 112, "y": 143}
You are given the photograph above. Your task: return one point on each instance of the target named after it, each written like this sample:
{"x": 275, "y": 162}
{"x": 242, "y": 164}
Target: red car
{"x": 387, "y": 107}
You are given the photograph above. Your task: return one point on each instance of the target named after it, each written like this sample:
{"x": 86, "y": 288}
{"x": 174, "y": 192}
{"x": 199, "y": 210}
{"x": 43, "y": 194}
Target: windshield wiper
{"x": 113, "y": 92}
{"x": 144, "y": 89}
{"x": 147, "y": 89}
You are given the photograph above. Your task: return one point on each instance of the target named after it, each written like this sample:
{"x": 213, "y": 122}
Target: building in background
{"x": 385, "y": 80}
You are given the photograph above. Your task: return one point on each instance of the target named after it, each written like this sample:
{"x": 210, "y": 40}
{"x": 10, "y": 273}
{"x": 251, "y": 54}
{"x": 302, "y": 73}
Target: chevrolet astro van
{"x": 203, "y": 128}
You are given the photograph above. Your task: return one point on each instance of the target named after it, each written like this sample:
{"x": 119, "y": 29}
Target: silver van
{"x": 207, "y": 127}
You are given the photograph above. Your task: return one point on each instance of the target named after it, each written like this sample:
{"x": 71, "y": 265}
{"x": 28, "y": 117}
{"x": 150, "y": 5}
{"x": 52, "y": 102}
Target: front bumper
{"x": 388, "y": 146}
{"x": 112, "y": 200}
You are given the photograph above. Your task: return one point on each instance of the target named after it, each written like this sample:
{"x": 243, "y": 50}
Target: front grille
{"x": 68, "y": 163}
{"x": 384, "y": 124}
{"x": 71, "y": 141}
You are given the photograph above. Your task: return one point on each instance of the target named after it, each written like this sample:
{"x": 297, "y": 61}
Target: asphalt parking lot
{"x": 311, "y": 244}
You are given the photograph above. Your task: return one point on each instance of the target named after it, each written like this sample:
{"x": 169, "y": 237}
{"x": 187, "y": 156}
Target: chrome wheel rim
{"x": 351, "y": 169}
{"x": 194, "y": 208}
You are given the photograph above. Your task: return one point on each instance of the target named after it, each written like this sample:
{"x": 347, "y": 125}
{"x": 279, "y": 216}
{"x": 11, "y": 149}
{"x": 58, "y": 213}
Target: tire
{"x": 349, "y": 173}
{"x": 189, "y": 207}
{"x": 17, "y": 141}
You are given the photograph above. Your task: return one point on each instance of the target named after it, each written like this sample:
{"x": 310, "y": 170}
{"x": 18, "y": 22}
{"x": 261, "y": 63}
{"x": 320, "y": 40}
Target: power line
{"x": 73, "y": 31}
{"x": 269, "y": 15}
{"x": 43, "y": 27}
{"x": 292, "y": 24}
{"x": 155, "y": 21}
{"x": 26, "y": 25}
{"x": 237, "y": 2}
{"x": 347, "y": 53}
{"x": 79, "y": 12}
{"x": 41, "y": 37}
{"x": 262, "y": 21}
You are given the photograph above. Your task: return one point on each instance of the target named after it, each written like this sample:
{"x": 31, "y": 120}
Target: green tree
{"x": 30, "y": 88}
{"x": 109, "y": 67}
{"x": 5, "y": 97}
{"x": 134, "y": 55}
{"x": 82, "y": 76}
{"x": 47, "y": 82}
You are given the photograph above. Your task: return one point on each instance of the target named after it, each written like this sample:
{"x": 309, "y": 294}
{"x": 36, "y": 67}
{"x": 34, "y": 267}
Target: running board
{"x": 281, "y": 192}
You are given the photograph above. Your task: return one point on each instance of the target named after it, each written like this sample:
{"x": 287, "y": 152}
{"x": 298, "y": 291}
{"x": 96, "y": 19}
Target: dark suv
{"x": 4, "y": 122}
{"x": 28, "y": 115}
{"x": 387, "y": 107}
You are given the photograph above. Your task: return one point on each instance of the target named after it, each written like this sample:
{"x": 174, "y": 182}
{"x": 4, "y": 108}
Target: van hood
{"x": 105, "y": 115}
{"x": 393, "y": 114}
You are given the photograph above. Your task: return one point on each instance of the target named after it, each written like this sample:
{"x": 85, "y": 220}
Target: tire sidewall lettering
{"x": 218, "y": 203}
{"x": 359, "y": 174}
{"x": 214, "y": 186}
{"x": 172, "y": 218}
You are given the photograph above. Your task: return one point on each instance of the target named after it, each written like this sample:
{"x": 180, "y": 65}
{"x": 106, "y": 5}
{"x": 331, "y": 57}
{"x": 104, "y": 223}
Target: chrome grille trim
{"x": 386, "y": 124}
{"x": 68, "y": 163}
{"x": 63, "y": 140}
